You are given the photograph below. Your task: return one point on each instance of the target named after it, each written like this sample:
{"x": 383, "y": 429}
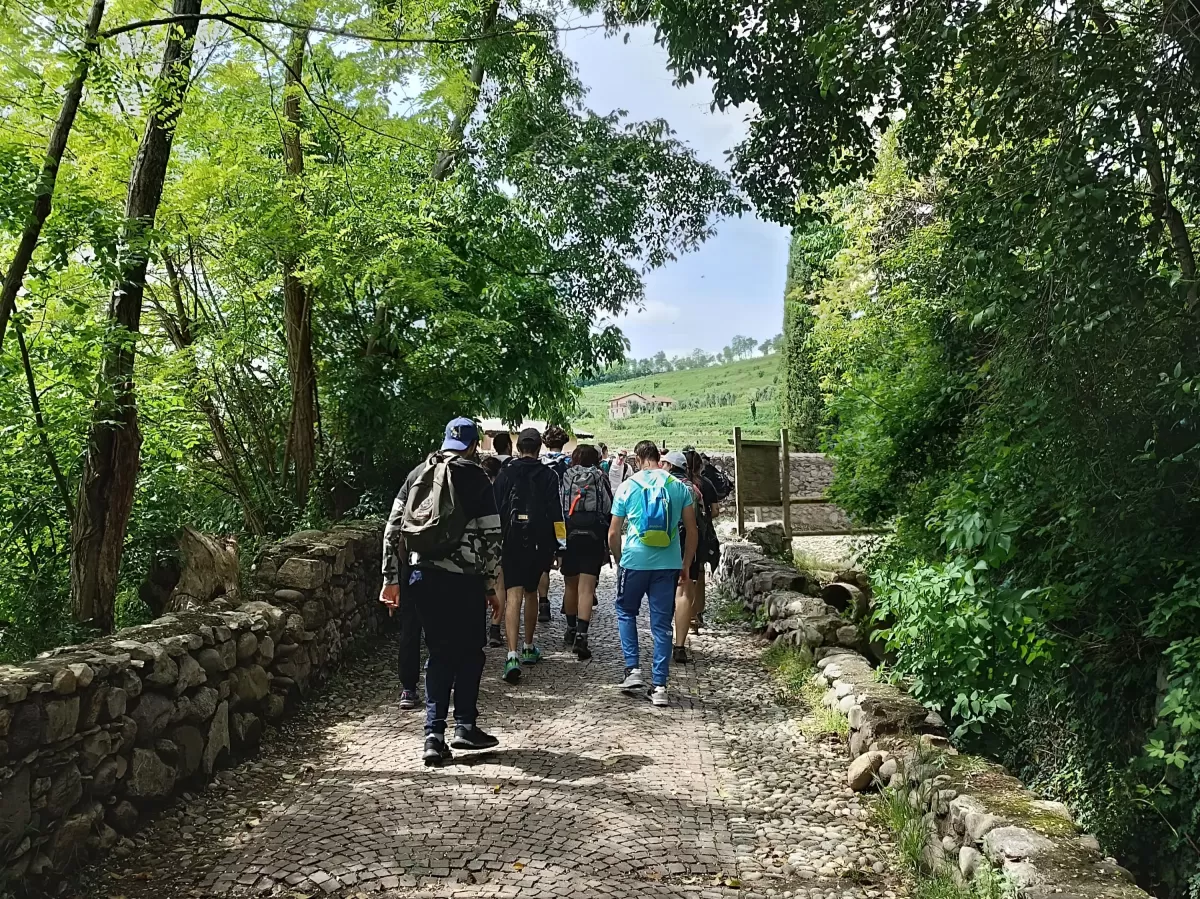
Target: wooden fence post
{"x": 785, "y": 482}
{"x": 737, "y": 481}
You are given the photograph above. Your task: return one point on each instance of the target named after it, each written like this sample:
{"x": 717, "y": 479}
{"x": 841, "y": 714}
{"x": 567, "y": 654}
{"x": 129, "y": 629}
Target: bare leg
{"x": 571, "y": 597}
{"x": 698, "y": 599}
{"x": 531, "y": 616}
{"x": 512, "y": 617}
{"x": 586, "y": 593}
{"x": 497, "y": 615}
{"x": 683, "y": 613}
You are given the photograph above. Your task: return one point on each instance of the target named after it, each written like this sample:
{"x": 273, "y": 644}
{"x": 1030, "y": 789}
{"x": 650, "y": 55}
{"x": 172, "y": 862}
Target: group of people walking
{"x": 468, "y": 532}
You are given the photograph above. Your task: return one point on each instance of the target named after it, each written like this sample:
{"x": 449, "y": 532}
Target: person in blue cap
{"x": 450, "y": 590}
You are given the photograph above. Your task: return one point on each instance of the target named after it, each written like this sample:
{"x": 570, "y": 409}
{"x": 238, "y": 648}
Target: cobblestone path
{"x": 591, "y": 793}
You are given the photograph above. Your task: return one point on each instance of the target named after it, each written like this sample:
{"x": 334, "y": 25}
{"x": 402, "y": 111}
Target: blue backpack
{"x": 655, "y": 526}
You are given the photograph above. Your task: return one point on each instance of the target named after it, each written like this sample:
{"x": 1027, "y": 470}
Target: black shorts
{"x": 585, "y": 555}
{"x": 524, "y": 567}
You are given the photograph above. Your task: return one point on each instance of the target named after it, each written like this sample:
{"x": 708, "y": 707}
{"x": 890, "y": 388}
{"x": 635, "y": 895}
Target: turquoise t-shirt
{"x": 628, "y": 503}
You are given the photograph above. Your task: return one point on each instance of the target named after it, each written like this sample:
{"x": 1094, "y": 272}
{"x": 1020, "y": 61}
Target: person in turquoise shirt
{"x": 644, "y": 539}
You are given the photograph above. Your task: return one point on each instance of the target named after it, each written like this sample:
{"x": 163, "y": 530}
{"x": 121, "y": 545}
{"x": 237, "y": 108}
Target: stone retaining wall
{"x": 94, "y": 737}
{"x": 973, "y": 811}
{"x": 811, "y": 475}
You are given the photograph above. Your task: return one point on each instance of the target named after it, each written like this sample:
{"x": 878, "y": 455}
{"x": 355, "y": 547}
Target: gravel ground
{"x": 590, "y": 792}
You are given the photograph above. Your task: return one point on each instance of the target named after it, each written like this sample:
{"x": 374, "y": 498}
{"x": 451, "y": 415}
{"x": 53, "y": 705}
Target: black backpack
{"x": 721, "y": 482}
{"x": 527, "y": 523}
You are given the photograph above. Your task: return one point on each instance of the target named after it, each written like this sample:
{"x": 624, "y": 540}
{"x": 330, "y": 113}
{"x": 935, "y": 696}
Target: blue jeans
{"x": 659, "y": 588}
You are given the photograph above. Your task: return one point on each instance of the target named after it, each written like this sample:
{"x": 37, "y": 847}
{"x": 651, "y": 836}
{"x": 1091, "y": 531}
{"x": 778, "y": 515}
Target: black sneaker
{"x": 680, "y": 655}
{"x": 569, "y": 637}
{"x": 543, "y": 610}
{"x": 494, "y": 638}
{"x": 436, "y": 751}
{"x": 409, "y": 700}
{"x": 472, "y": 738}
{"x": 581, "y": 648}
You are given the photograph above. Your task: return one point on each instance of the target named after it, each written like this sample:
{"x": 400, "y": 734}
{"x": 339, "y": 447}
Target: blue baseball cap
{"x": 460, "y": 434}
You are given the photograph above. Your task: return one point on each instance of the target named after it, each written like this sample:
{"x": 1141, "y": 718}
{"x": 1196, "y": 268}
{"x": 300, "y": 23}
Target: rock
{"x": 969, "y": 860}
{"x": 131, "y": 683}
{"x": 152, "y": 714}
{"x": 64, "y": 682}
{"x": 123, "y": 817}
{"x": 889, "y": 767}
{"x": 15, "y": 811}
{"x": 1090, "y": 842}
{"x": 960, "y": 808}
{"x": 164, "y": 673}
{"x": 191, "y": 674}
{"x": 246, "y": 730}
{"x": 847, "y": 635}
{"x": 217, "y": 743}
{"x": 1014, "y": 844}
{"x": 295, "y": 597}
{"x": 115, "y": 703}
{"x": 1049, "y": 807}
{"x": 94, "y": 749}
{"x": 979, "y": 824}
{"x": 212, "y": 661}
{"x": 266, "y": 649}
{"x": 275, "y": 707}
{"x": 71, "y": 836}
{"x": 25, "y": 730}
{"x": 862, "y": 771}
{"x": 302, "y": 574}
{"x": 149, "y": 776}
{"x": 202, "y": 705}
{"x": 190, "y": 743}
{"x": 247, "y": 646}
{"x": 61, "y": 717}
{"x": 104, "y": 778}
{"x": 313, "y": 614}
{"x": 249, "y": 685}
{"x": 84, "y": 674}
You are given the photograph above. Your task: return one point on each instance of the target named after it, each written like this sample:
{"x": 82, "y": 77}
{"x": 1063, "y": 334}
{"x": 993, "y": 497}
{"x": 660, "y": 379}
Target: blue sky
{"x": 734, "y": 283}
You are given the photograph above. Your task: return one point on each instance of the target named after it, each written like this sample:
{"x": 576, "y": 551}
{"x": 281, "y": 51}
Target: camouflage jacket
{"x": 479, "y": 550}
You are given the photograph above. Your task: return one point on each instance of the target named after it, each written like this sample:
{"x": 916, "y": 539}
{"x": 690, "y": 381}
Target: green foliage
{"x": 478, "y": 292}
{"x": 793, "y": 670}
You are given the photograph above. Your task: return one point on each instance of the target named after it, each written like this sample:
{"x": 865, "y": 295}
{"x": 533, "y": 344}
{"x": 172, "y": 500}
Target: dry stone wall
{"x": 974, "y": 812}
{"x": 94, "y": 737}
{"x": 811, "y": 475}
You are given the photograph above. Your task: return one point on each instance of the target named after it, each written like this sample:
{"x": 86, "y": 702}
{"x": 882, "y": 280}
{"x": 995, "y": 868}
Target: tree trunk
{"x": 110, "y": 467}
{"x": 297, "y": 307}
{"x": 448, "y": 158}
{"x": 210, "y": 570}
{"x": 15, "y": 276}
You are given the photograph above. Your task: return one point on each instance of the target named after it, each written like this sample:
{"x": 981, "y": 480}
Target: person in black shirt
{"x": 532, "y": 519}
{"x": 449, "y": 593}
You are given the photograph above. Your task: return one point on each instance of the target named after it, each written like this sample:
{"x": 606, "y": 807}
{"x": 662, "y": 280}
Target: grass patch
{"x": 909, "y": 833}
{"x": 793, "y": 670}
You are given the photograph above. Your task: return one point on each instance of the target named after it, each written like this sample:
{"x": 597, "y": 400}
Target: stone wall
{"x": 811, "y": 475}
{"x": 94, "y": 737}
{"x": 974, "y": 813}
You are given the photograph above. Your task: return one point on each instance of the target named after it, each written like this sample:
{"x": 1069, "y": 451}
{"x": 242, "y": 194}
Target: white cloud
{"x": 652, "y": 312}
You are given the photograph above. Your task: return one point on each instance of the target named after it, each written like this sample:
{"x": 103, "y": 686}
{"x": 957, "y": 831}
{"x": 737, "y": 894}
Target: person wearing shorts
{"x": 527, "y": 495}
{"x": 586, "y": 553}
{"x": 676, "y": 463}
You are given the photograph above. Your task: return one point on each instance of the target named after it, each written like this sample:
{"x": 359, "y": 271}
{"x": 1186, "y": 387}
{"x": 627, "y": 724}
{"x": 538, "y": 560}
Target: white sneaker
{"x": 658, "y": 696}
{"x": 633, "y": 682}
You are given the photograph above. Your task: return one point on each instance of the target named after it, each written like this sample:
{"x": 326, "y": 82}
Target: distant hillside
{"x": 710, "y": 402}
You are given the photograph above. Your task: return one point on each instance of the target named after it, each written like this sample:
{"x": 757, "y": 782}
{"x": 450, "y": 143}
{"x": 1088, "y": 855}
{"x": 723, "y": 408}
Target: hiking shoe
{"x": 543, "y": 610}
{"x": 581, "y": 648}
{"x": 494, "y": 638}
{"x": 472, "y": 738}
{"x": 531, "y": 655}
{"x": 436, "y": 751}
{"x": 409, "y": 700}
{"x": 680, "y": 655}
{"x": 569, "y": 637}
{"x": 512, "y": 670}
{"x": 633, "y": 682}
{"x": 658, "y": 696}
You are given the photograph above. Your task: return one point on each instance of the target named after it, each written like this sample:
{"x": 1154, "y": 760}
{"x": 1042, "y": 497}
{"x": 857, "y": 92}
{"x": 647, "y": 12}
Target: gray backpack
{"x": 434, "y": 521}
